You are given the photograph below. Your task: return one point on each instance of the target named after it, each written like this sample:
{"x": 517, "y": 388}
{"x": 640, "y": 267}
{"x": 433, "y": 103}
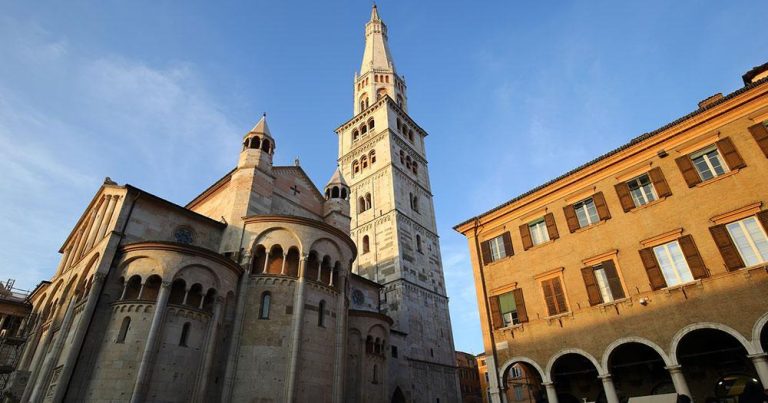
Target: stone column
{"x": 141, "y": 291}
{"x": 551, "y": 392}
{"x": 237, "y": 327}
{"x": 41, "y": 384}
{"x": 330, "y": 284}
{"x": 210, "y": 349}
{"x": 678, "y": 379}
{"x": 760, "y": 361}
{"x": 145, "y": 365}
{"x": 82, "y": 328}
{"x": 282, "y": 269}
{"x": 37, "y": 358}
{"x": 610, "y": 391}
{"x": 298, "y": 320}
{"x": 341, "y": 342}
{"x": 125, "y": 289}
{"x": 266, "y": 262}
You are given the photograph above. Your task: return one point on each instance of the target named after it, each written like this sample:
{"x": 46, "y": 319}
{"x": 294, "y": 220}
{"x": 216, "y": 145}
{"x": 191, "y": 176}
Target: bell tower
{"x": 383, "y": 158}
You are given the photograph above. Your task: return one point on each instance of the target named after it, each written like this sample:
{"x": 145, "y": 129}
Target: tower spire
{"x": 376, "y": 55}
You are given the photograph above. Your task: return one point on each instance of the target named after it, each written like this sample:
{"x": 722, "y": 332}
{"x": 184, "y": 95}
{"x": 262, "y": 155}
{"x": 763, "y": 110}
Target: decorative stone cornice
{"x": 185, "y": 249}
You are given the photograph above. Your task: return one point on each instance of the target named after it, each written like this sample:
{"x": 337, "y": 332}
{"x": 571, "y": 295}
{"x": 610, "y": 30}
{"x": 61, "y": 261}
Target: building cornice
{"x": 369, "y": 314}
{"x": 184, "y": 249}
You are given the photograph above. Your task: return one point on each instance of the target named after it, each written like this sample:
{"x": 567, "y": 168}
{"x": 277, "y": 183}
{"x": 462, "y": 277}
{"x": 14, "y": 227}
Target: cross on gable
{"x": 295, "y": 190}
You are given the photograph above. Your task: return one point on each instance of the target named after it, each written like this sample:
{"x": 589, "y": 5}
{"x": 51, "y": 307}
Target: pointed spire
{"x": 376, "y": 55}
{"x": 337, "y": 178}
{"x": 261, "y": 127}
{"x": 375, "y": 13}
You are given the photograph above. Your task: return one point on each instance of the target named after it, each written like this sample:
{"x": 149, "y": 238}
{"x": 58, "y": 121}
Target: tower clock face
{"x": 358, "y": 297}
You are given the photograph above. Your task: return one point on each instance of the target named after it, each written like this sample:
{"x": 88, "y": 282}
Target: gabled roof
{"x": 299, "y": 171}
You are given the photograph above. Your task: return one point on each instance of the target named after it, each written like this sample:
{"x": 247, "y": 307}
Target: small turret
{"x": 258, "y": 147}
{"x": 336, "y": 206}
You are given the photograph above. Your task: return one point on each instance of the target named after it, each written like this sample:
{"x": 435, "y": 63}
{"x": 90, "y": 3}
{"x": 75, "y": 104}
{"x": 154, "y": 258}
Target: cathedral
{"x": 264, "y": 287}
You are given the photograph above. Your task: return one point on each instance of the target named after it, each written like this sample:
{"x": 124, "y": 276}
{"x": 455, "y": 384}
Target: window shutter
{"x": 485, "y": 248}
{"x": 601, "y": 206}
{"x": 692, "y": 256}
{"x": 549, "y": 219}
{"x": 760, "y": 133}
{"x": 549, "y": 297}
{"x": 660, "y": 182}
{"x": 689, "y": 172}
{"x": 763, "y": 217}
{"x": 570, "y": 217}
{"x": 652, "y": 269}
{"x": 593, "y": 290}
{"x": 508, "y": 251}
{"x": 614, "y": 282}
{"x": 496, "y": 319}
{"x": 731, "y": 156}
{"x": 727, "y": 247}
{"x": 559, "y": 295}
{"x": 622, "y": 189}
{"x": 525, "y": 234}
{"x": 522, "y": 313}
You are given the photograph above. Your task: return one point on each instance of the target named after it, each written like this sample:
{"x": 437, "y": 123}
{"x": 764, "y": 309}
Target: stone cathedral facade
{"x": 263, "y": 288}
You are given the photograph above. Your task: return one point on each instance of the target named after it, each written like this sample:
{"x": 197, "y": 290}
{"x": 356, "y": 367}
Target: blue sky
{"x": 158, "y": 95}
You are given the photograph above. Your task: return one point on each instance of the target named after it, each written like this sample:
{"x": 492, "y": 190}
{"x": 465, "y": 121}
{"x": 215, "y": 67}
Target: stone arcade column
{"x": 551, "y": 392}
{"x": 44, "y": 377}
{"x": 77, "y": 341}
{"x": 298, "y": 320}
{"x": 610, "y": 391}
{"x": 145, "y": 365}
{"x": 210, "y": 349}
{"x": 760, "y": 362}
{"x": 237, "y": 327}
{"x": 341, "y": 341}
{"x": 678, "y": 379}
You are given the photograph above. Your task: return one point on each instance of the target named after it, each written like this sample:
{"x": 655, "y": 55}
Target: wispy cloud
{"x": 67, "y": 119}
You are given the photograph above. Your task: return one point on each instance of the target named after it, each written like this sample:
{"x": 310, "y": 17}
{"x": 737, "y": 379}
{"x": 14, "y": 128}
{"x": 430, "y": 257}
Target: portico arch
{"x": 706, "y": 325}
{"x": 634, "y": 339}
{"x": 760, "y": 332}
{"x": 529, "y": 361}
{"x": 578, "y": 351}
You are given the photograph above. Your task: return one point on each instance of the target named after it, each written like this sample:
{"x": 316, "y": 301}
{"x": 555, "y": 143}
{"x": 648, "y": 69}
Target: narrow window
{"x": 418, "y": 243}
{"x": 355, "y": 167}
{"x": 554, "y": 296}
{"x": 371, "y": 124}
{"x": 674, "y": 267}
{"x": 184, "y": 335}
{"x": 608, "y": 282}
{"x": 375, "y": 378}
{"x": 123, "y": 330}
{"x": 366, "y": 244}
{"x": 266, "y": 300}
{"x": 355, "y": 135}
{"x": 321, "y": 314}
{"x": 750, "y": 239}
{"x": 367, "y": 201}
{"x": 708, "y": 163}
{"x": 415, "y": 168}
{"x": 372, "y": 156}
{"x": 586, "y": 212}
{"x": 394, "y": 351}
{"x": 402, "y": 157}
{"x": 538, "y": 231}
{"x": 497, "y": 248}
{"x": 364, "y": 162}
{"x": 641, "y": 189}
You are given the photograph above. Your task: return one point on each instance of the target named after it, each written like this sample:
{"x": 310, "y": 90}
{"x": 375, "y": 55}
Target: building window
{"x": 321, "y": 314}
{"x": 497, "y": 248}
{"x": 586, "y": 212}
{"x": 750, "y": 239}
{"x": 516, "y": 372}
{"x": 603, "y": 283}
{"x": 554, "y": 296}
{"x": 673, "y": 265}
{"x": 708, "y": 163}
{"x": 539, "y": 233}
{"x": 366, "y": 244}
{"x": 184, "y": 335}
{"x": 394, "y": 351}
{"x": 418, "y": 244}
{"x": 518, "y": 393}
{"x": 266, "y": 300}
{"x": 508, "y": 309}
{"x": 641, "y": 190}
{"x": 123, "y": 330}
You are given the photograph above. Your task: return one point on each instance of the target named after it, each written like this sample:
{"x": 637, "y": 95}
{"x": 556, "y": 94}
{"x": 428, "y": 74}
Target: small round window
{"x": 184, "y": 235}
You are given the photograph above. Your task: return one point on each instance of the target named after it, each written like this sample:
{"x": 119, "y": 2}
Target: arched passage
{"x": 398, "y": 396}
{"x": 575, "y": 378}
{"x": 275, "y": 264}
{"x": 638, "y": 369}
{"x": 292, "y": 262}
{"x": 716, "y": 366}
{"x": 522, "y": 382}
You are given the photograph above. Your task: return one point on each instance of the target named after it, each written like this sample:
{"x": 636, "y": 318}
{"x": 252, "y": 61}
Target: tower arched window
{"x": 402, "y": 157}
{"x": 418, "y": 244}
{"x": 123, "y": 330}
{"x": 184, "y": 335}
{"x": 371, "y": 124}
{"x": 364, "y": 162}
{"x": 344, "y": 193}
{"x": 355, "y": 167}
{"x": 355, "y": 134}
{"x": 366, "y": 244}
{"x": 415, "y": 168}
{"x": 375, "y": 378}
{"x": 408, "y": 162}
{"x": 265, "y": 146}
{"x": 321, "y": 314}
{"x": 335, "y": 192}
{"x": 266, "y": 301}
{"x": 372, "y": 156}
{"x": 360, "y": 204}
{"x": 410, "y": 135}
{"x": 399, "y": 124}
{"x": 399, "y": 101}
{"x": 367, "y": 201}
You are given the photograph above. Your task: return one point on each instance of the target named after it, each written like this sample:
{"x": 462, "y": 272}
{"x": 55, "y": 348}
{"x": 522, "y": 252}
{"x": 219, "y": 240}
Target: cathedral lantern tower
{"x": 336, "y": 205}
{"x": 258, "y": 147}
{"x": 382, "y": 155}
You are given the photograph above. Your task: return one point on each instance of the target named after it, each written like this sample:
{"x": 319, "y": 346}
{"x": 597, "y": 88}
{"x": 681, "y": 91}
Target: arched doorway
{"x": 398, "y": 396}
{"x": 638, "y": 370}
{"x": 522, "y": 383}
{"x": 716, "y": 366}
{"x": 764, "y": 337}
{"x": 575, "y": 379}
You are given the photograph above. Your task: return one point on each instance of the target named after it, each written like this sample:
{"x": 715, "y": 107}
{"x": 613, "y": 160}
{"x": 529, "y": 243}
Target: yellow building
{"x": 642, "y": 272}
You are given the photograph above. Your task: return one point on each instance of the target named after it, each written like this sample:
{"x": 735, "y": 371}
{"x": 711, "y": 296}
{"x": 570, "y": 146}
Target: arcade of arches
{"x": 706, "y": 362}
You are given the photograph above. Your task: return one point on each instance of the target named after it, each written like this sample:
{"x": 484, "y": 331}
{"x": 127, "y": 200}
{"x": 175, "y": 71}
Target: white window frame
{"x": 642, "y": 191}
{"x": 585, "y": 210}
{"x": 497, "y": 248}
{"x": 711, "y": 168}
{"x": 539, "y": 232}
{"x": 602, "y": 283}
{"x": 676, "y": 270}
{"x": 750, "y": 241}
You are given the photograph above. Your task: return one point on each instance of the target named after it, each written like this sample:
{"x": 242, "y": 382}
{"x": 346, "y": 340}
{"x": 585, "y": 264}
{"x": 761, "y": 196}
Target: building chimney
{"x": 707, "y": 102}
